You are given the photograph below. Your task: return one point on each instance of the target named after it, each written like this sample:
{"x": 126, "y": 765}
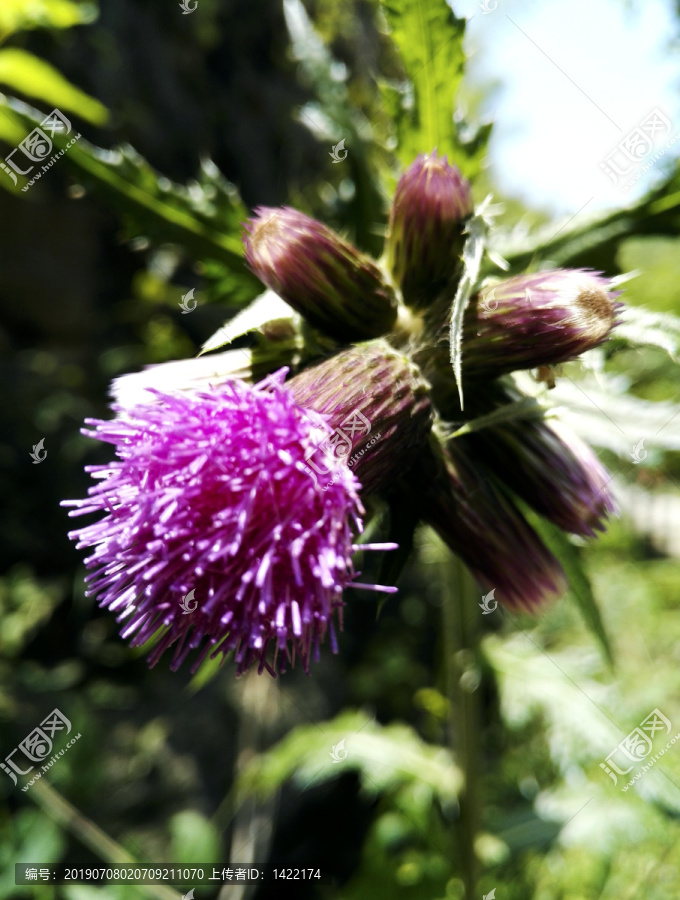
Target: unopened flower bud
{"x": 550, "y": 468}
{"x": 337, "y": 288}
{"x": 378, "y": 404}
{"x": 425, "y": 236}
{"x": 458, "y": 497}
{"x": 533, "y": 320}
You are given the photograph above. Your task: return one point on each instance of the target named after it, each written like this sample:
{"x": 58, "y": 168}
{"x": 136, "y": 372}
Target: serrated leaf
{"x": 268, "y": 308}
{"x": 429, "y": 38}
{"x": 579, "y": 583}
{"x": 593, "y": 240}
{"x": 203, "y": 217}
{"x": 643, "y": 327}
{"x": 385, "y": 758}
{"x": 473, "y": 253}
{"x": 599, "y": 411}
{"x": 32, "y": 76}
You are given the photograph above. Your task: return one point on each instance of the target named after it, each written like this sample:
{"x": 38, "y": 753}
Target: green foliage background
{"x": 238, "y": 105}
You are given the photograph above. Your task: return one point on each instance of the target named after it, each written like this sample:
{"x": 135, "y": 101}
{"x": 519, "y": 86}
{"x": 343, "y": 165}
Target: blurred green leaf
{"x": 643, "y": 327}
{"x": 32, "y": 76}
{"x": 19, "y": 15}
{"x": 193, "y": 837}
{"x": 604, "y": 415}
{"x": 385, "y": 757}
{"x": 203, "y": 217}
{"x": 334, "y": 116}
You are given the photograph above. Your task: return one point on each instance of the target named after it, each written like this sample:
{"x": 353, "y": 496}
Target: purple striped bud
{"x": 534, "y": 320}
{"x": 338, "y": 289}
{"x": 425, "y": 235}
{"x": 457, "y": 496}
{"x": 551, "y": 469}
{"x": 378, "y": 404}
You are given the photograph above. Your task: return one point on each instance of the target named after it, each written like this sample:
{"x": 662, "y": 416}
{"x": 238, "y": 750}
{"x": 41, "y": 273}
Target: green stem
{"x": 89, "y": 834}
{"x": 461, "y": 636}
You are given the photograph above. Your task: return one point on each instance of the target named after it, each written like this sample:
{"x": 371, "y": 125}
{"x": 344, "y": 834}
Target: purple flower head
{"x": 321, "y": 275}
{"x": 537, "y": 320}
{"x": 426, "y": 229}
{"x": 215, "y": 535}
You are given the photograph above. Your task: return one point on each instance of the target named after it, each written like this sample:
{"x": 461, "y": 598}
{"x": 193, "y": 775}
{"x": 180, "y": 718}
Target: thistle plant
{"x": 246, "y": 496}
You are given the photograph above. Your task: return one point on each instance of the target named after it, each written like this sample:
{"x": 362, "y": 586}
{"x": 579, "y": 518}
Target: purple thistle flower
{"x": 537, "y": 320}
{"x": 210, "y": 494}
{"x": 459, "y": 498}
{"x": 551, "y": 469}
{"x": 426, "y": 228}
{"x": 210, "y": 502}
{"x": 321, "y": 275}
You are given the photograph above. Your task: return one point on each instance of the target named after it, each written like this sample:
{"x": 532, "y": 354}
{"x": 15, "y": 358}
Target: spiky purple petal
{"x": 209, "y": 493}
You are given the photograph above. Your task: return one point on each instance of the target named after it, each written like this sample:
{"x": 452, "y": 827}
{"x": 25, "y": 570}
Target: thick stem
{"x": 461, "y": 641}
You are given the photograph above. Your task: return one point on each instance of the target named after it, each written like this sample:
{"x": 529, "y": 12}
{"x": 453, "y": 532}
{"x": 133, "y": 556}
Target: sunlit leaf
{"x": 32, "y": 76}
{"x": 429, "y": 38}
{"x": 384, "y": 757}
{"x": 266, "y": 309}
{"x": 19, "y": 15}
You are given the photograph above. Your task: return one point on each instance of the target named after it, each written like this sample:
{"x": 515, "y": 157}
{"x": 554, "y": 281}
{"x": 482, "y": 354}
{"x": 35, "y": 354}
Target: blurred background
{"x": 207, "y": 768}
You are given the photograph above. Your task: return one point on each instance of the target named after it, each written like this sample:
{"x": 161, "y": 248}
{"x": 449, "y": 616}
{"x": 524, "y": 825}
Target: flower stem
{"x": 89, "y": 834}
{"x": 461, "y": 636}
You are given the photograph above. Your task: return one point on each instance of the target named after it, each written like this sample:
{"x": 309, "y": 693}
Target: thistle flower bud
{"x": 425, "y": 234}
{"x": 540, "y": 319}
{"x": 458, "y": 498}
{"x": 551, "y": 469}
{"x": 378, "y": 404}
{"x": 338, "y": 289}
